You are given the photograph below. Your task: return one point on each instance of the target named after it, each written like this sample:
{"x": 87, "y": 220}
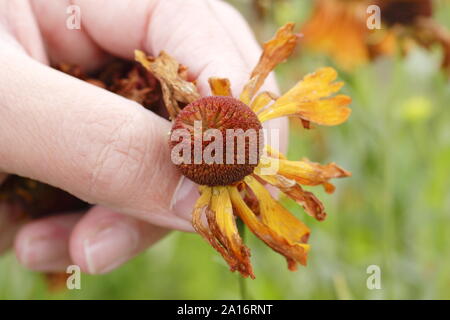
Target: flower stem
{"x": 243, "y": 290}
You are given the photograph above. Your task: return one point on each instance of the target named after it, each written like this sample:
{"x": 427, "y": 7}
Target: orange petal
{"x": 172, "y": 77}
{"x": 220, "y": 86}
{"x": 310, "y": 203}
{"x": 275, "y": 51}
{"x": 276, "y": 226}
{"x": 310, "y": 100}
{"x": 222, "y": 231}
{"x": 304, "y": 172}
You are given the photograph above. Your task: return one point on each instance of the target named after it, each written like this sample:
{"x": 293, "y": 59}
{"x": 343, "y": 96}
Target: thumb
{"x": 99, "y": 146}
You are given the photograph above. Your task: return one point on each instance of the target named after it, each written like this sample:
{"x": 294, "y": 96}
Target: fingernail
{"x": 184, "y": 198}
{"x": 45, "y": 254}
{"x": 110, "y": 247}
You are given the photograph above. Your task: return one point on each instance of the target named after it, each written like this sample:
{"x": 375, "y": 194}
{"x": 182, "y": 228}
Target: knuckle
{"x": 118, "y": 161}
{"x": 115, "y": 154}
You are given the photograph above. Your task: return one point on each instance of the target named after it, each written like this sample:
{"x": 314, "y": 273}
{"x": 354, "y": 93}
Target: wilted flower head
{"x": 237, "y": 190}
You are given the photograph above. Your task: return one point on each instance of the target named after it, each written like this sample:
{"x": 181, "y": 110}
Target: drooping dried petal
{"x": 276, "y": 226}
{"x": 220, "y": 87}
{"x": 310, "y": 203}
{"x": 134, "y": 87}
{"x": 275, "y": 51}
{"x": 310, "y": 100}
{"x": 304, "y": 172}
{"x": 201, "y": 206}
{"x": 222, "y": 232}
{"x": 172, "y": 77}
{"x": 329, "y": 112}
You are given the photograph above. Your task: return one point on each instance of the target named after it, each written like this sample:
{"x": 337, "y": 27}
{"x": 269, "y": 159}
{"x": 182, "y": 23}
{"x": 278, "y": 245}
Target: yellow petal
{"x": 275, "y": 51}
{"x": 262, "y": 100}
{"x": 328, "y": 112}
{"x": 220, "y": 86}
{"x": 200, "y": 209}
{"x": 310, "y": 99}
{"x": 172, "y": 77}
{"x": 276, "y": 226}
{"x": 221, "y": 231}
{"x": 304, "y": 172}
{"x": 271, "y": 152}
{"x": 276, "y": 216}
{"x": 310, "y": 203}
{"x": 313, "y": 86}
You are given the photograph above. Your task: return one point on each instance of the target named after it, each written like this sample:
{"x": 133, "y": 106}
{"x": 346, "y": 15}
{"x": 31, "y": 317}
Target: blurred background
{"x": 394, "y": 212}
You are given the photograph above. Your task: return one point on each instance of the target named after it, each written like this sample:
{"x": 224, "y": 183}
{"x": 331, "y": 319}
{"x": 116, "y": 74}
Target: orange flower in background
{"x": 339, "y": 29}
{"x": 231, "y": 191}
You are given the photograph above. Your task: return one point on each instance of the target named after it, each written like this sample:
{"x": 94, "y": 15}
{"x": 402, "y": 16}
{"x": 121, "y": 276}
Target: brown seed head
{"x": 223, "y": 114}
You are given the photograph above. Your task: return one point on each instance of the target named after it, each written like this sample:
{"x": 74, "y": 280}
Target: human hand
{"x": 98, "y": 146}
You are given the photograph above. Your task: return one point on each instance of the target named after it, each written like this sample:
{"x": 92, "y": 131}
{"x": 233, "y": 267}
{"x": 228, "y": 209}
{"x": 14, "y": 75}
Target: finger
{"x": 208, "y": 36}
{"x": 101, "y": 147}
{"x": 103, "y": 240}
{"x": 65, "y": 45}
{"x": 43, "y": 245}
{"x": 18, "y": 25}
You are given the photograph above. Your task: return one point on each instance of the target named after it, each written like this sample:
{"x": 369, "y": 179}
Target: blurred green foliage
{"x": 394, "y": 212}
